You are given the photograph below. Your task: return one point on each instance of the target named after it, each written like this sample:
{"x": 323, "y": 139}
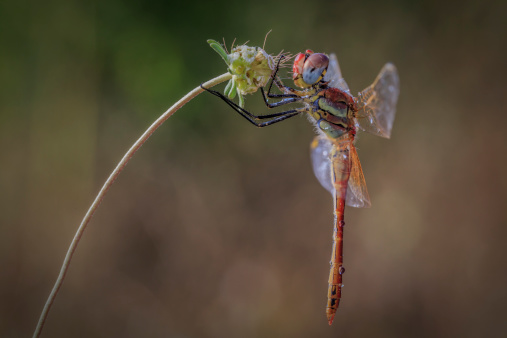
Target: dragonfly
{"x": 337, "y": 116}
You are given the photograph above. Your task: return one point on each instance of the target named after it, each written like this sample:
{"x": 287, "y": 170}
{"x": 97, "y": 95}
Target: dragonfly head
{"x": 309, "y": 68}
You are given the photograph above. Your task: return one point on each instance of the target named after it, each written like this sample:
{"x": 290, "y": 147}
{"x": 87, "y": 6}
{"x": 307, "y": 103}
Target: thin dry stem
{"x": 126, "y": 158}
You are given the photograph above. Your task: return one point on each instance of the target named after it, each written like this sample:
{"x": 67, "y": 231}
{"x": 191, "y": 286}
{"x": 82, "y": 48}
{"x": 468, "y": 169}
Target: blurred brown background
{"x": 219, "y": 229}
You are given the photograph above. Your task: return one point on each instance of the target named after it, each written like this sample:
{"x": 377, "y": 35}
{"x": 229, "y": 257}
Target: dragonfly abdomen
{"x": 340, "y": 174}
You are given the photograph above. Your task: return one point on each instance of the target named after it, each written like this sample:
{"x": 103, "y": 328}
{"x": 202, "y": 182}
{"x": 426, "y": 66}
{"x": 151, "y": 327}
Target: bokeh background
{"x": 219, "y": 229}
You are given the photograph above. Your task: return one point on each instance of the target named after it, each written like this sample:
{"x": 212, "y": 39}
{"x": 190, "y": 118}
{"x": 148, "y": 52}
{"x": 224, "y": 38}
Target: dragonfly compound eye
{"x": 297, "y": 68}
{"x": 315, "y": 68}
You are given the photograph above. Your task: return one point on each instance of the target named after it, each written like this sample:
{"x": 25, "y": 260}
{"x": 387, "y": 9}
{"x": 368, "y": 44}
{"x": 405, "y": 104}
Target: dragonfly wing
{"x": 334, "y": 75}
{"x": 357, "y": 193}
{"x": 320, "y": 151}
{"x": 377, "y": 103}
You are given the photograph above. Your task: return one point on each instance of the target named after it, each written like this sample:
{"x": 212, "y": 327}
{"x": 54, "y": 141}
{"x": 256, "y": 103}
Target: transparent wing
{"x": 377, "y": 103}
{"x": 334, "y": 75}
{"x": 320, "y": 150}
{"x": 357, "y": 193}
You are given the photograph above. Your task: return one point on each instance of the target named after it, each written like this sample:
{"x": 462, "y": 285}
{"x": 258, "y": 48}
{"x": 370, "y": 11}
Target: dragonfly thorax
{"x": 333, "y": 112}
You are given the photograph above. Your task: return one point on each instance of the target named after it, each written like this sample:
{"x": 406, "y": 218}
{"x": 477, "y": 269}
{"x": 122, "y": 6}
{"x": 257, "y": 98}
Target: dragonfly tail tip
{"x": 330, "y": 318}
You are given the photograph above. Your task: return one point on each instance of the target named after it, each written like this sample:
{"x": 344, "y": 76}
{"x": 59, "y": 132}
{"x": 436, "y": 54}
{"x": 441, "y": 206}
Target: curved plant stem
{"x": 126, "y": 158}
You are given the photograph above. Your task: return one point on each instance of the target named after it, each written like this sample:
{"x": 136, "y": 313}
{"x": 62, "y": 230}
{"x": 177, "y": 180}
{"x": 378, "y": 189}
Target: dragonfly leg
{"x": 257, "y": 119}
{"x": 290, "y": 95}
{"x": 279, "y": 84}
{"x": 289, "y": 98}
{"x": 293, "y": 92}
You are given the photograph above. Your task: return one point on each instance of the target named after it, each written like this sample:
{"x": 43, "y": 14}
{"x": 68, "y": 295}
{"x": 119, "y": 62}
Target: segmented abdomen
{"x": 340, "y": 159}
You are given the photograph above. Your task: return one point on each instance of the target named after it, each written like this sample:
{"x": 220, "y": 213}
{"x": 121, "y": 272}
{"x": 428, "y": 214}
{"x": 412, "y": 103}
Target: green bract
{"x": 251, "y": 68}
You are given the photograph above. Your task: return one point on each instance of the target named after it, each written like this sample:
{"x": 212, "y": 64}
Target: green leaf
{"x": 241, "y": 101}
{"x": 228, "y": 88}
{"x": 219, "y": 49}
{"x": 232, "y": 90}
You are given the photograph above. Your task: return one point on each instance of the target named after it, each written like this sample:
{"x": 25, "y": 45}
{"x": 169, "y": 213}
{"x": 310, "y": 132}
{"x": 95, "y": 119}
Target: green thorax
{"x": 332, "y": 110}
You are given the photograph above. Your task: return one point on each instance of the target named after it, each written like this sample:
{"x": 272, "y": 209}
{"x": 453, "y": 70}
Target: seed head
{"x": 251, "y": 68}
